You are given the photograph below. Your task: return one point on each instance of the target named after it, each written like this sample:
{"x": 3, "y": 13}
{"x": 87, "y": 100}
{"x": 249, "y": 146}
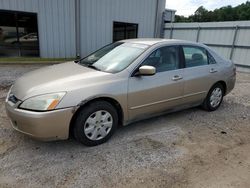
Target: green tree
{"x": 227, "y": 13}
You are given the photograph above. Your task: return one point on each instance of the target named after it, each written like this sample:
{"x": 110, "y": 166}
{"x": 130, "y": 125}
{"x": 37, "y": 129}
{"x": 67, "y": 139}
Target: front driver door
{"x": 164, "y": 90}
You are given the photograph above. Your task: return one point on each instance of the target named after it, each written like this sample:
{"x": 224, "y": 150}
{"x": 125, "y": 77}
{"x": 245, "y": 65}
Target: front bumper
{"x": 45, "y": 126}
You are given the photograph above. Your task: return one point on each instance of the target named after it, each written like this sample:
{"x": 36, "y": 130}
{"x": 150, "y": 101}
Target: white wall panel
{"x": 224, "y": 52}
{"x": 97, "y": 20}
{"x": 242, "y": 56}
{"x": 243, "y": 37}
{"x": 185, "y": 35}
{"x": 222, "y": 36}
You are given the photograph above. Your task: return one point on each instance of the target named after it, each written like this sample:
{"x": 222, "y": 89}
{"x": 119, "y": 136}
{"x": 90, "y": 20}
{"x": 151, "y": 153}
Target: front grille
{"x": 13, "y": 99}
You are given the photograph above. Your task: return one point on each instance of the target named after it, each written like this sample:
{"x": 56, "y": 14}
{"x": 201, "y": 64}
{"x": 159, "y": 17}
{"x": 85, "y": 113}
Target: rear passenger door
{"x": 200, "y": 73}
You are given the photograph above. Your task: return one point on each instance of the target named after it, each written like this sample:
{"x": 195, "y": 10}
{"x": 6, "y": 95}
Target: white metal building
{"x": 169, "y": 15}
{"x": 67, "y": 28}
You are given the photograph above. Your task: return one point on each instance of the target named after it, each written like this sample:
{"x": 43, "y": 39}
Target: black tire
{"x": 85, "y": 113}
{"x": 207, "y": 104}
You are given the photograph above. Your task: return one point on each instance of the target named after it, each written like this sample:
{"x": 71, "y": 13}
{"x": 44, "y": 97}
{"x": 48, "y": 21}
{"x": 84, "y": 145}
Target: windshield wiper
{"x": 77, "y": 60}
{"x": 92, "y": 67}
{"x": 89, "y": 65}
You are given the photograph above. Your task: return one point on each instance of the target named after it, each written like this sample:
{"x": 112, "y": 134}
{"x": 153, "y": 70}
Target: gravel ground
{"x": 191, "y": 148}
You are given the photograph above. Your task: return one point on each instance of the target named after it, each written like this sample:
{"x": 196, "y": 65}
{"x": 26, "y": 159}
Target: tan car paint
{"x": 153, "y": 94}
{"x": 138, "y": 97}
{"x": 41, "y": 125}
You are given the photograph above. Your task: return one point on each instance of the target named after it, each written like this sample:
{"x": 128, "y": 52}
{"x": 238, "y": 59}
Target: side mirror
{"x": 146, "y": 70}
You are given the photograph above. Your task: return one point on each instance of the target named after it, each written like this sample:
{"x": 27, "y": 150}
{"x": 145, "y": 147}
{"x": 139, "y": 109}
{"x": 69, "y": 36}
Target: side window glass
{"x": 211, "y": 59}
{"x": 195, "y": 56}
{"x": 164, "y": 59}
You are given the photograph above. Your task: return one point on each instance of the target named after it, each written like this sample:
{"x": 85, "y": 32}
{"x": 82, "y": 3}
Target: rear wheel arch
{"x": 213, "y": 96}
{"x": 223, "y": 83}
{"x": 84, "y": 104}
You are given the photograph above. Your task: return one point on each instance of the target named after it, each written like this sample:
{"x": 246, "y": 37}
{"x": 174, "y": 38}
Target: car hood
{"x": 56, "y": 78}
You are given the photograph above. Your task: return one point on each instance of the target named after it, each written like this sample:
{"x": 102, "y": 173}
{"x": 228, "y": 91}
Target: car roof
{"x": 159, "y": 41}
{"x": 153, "y": 41}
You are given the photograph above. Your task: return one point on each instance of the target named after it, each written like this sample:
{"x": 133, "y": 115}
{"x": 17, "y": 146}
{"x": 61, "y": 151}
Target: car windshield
{"x": 115, "y": 57}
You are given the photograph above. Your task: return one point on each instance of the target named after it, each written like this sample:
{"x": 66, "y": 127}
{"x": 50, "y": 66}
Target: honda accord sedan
{"x": 121, "y": 83}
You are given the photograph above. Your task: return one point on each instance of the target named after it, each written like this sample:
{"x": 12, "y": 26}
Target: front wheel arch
{"x": 112, "y": 101}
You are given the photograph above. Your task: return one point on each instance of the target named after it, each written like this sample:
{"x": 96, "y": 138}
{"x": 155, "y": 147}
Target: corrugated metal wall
{"x": 229, "y": 39}
{"x": 56, "y": 24}
{"x": 97, "y": 20}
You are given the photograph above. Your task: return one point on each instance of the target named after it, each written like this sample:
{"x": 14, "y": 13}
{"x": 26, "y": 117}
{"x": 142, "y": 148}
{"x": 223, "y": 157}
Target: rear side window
{"x": 195, "y": 56}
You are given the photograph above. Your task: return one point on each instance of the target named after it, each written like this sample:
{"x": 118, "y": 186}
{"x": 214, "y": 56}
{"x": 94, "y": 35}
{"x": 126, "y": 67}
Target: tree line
{"x": 227, "y": 13}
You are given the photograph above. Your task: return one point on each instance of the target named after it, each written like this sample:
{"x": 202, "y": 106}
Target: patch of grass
{"x": 34, "y": 60}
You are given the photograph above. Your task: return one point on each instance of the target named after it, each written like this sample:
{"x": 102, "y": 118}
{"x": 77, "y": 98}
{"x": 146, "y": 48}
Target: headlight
{"x": 43, "y": 102}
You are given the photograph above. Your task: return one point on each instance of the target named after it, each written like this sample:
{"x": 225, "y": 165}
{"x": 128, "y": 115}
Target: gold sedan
{"x": 122, "y": 82}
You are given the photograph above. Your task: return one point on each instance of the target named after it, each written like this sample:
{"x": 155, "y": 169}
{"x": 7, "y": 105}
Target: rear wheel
{"x": 214, "y": 98}
{"x": 95, "y": 123}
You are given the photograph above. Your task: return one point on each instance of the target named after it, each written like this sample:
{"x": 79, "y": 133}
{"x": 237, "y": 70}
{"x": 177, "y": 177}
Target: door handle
{"x": 212, "y": 70}
{"x": 176, "y": 78}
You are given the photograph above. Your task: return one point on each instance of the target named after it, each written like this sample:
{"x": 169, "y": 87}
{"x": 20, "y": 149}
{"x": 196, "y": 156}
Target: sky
{"x": 188, "y": 7}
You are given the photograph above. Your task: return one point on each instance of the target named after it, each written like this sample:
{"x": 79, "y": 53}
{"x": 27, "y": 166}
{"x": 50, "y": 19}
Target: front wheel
{"x": 95, "y": 123}
{"x": 214, "y": 98}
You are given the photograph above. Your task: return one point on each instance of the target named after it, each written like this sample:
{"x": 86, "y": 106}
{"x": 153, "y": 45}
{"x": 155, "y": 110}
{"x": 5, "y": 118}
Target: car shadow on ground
{"x": 122, "y": 135}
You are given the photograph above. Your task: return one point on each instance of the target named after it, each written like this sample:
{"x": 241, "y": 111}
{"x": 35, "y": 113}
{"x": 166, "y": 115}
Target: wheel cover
{"x": 216, "y": 97}
{"x": 98, "y": 125}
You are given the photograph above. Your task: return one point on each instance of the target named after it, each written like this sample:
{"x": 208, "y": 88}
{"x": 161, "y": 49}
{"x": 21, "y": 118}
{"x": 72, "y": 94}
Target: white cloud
{"x": 188, "y": 7}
